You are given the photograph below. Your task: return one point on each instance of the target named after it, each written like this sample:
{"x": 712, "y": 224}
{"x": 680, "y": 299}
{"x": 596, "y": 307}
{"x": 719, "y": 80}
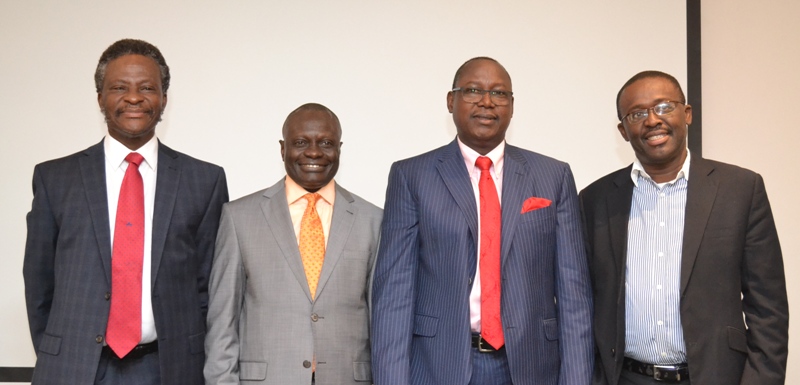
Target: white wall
{"x": 750, "y": 104}
{"x": 239, "y": 67}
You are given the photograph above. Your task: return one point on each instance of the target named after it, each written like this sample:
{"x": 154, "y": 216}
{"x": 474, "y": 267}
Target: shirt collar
{"x": 496, "y": 155}
{"x": 638, "y": 170}
{"x": 116, "y": 152}
{"x": 294, "y": 191}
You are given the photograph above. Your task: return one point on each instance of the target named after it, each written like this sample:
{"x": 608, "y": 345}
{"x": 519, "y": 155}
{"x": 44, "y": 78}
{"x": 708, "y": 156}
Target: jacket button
{"x": 98, "y": 339}
{"x": 306, "y": 364}
{"x": 107, "y": 296}
{"x": 314, "y": 317}
{"x": 613, "y": 351}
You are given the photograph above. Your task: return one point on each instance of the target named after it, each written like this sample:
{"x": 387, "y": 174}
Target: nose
{"x": 133, "y": 96}
{"x": 652, "y": 119}
{"x": 313, "y": 151}
{"x": 486, "y": 100}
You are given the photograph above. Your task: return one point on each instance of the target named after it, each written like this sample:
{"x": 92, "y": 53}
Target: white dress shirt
{"x": 496, "y": 170}
{"x": 115, "y": 153}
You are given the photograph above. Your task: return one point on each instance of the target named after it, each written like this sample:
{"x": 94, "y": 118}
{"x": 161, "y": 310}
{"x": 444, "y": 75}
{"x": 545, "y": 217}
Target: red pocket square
{"x": 534, "y": 203}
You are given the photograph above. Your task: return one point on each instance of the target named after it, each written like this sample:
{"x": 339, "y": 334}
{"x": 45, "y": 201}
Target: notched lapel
{"x": 93, "y": 176}
{"x": 344, "y": 214}
{"x": 167, "y": 182}
{"x": 700, "y": 196}
{"x": 453, "y": 171}
{"x": 515, "y": 183}
{"x": 619, "y": 212}
{"x": 275, "y": 208}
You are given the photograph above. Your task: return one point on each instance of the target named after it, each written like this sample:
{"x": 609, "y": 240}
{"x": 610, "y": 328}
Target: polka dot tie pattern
{"x": 124, "y": 330}
{"x": 312, "y": 242}
{"x": 491, "y": 324}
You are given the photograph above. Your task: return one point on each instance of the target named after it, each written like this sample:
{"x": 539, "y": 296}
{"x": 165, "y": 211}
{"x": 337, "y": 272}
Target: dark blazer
{"x": 67, "y": 267}
{"x": 427, "y": 261}
{"x": 731, "y": 263}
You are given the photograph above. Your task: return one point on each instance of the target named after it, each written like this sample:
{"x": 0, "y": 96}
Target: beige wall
{"x": 751, "y": 94}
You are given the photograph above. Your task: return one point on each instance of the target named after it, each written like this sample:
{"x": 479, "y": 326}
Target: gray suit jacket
{"x": 263, "y": 326}
{"x": 67, "y": 266}
{"x": 731, "y": 264}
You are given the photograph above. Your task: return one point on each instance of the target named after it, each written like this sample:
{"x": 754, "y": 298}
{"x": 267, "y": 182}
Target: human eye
{"x": 473, "y": 91}
{"x": 638, "y": 115}
{"x": 664, "y": 108}
{"x": 499, "y": 94}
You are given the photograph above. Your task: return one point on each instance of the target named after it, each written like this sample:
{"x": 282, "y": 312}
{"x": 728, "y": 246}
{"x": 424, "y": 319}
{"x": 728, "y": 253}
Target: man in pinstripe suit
{"x": 679, "y": 248}
{"x": 427, "y": 317}
{"x": 68, "y": 255}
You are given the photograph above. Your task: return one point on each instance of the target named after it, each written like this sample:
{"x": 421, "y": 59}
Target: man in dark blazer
{"x": 679, "y": 248}
{"x": 68, "y": 254}
{"x": 275, "y": 319}
{"x": 428, "y": 325}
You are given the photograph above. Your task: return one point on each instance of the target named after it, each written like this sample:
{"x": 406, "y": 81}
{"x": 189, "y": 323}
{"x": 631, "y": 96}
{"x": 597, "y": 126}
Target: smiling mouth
{"x": 313, "y": 166}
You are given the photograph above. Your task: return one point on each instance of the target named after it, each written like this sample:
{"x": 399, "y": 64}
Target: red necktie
{"x": 124, "y": 329}
{"x": 491, "y": 325}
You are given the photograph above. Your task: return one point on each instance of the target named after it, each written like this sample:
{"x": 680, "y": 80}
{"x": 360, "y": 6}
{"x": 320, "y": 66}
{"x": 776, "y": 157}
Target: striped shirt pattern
{"x": 653, "y": 331}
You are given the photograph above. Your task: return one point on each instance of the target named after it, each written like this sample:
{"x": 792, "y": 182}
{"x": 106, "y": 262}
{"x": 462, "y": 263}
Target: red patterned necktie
{"x": 491, "y": 325}
{"x": 124, "y": 329}
{"x": 312, "y": 243}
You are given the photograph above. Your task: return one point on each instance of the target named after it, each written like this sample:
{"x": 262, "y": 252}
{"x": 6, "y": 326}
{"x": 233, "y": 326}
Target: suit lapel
{"x": 167, "y": 180}
{"x": 344, "y": 214}
{"x": 700, "y": 196}
{"x": 453, "y": 171}
{"x": 619, "y": 212}
{"x": 275, "y": 208}
{"x": 515, "y": 173}
{"x": 93, "y": 176}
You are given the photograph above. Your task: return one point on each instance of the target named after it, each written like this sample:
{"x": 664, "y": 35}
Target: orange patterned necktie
{"x": 124, "y": 328}
{"x": 312, "y": 242}
{"x": 491, "y": 325}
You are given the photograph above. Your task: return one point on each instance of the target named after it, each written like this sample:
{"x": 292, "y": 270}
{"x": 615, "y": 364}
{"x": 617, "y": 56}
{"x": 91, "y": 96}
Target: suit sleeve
{"x": 393, "y": 284}
{"x": 207, "y": 234}
{"x": 573, "y": 290}
{"x": 764, "y": 298}
{"x": 38, "y": 266}
{"x": 226, "y": 295}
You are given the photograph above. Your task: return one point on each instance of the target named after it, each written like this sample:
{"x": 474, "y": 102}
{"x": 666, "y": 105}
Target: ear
{"x": 687, "y": 109}
{"x": 622, "y": 132}
{"x": 164, "y": 102}
{"x": 283, "y": 151}
{"x": 450, "y": 101}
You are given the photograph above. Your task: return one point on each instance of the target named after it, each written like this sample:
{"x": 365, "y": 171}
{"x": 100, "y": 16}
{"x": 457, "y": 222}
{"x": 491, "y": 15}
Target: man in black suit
{"x": 679, "y": 248}
{"x": 75, "y": 284}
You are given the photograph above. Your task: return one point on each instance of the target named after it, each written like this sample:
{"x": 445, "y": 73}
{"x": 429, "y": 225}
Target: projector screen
{"x": 384, "y": 67}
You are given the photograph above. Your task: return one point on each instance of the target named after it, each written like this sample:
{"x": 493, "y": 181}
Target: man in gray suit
{"x": 83, "y": 270}
{"x": 274, "y": 317}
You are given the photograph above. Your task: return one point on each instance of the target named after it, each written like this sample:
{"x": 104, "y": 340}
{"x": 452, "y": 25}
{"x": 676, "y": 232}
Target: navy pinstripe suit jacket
{"x": 427, "y": 261}
{"x": 67, "y": 267}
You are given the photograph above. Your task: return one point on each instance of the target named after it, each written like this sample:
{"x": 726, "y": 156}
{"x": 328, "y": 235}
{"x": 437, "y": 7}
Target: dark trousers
{"x": 142, "y": 370}
{"x": 490, "y": 368}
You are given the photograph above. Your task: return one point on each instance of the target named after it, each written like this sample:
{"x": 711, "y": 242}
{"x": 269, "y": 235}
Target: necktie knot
{"x": 135, "y": 158}
{"x": 483, "y": 163}
{"x": 312, "y": 198}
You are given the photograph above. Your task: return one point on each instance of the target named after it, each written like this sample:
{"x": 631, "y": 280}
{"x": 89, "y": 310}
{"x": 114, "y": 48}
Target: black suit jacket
{"x": 731, "y": 264}
{"x": 67, "y": 267}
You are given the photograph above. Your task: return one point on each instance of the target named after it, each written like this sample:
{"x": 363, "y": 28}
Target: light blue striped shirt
{"x": 653, "y": 331}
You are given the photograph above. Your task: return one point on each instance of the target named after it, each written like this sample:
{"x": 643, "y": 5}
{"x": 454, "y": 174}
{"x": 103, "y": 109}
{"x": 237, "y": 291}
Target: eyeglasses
{"x": 474, "y": 95}
{"x": 662, "y": 108}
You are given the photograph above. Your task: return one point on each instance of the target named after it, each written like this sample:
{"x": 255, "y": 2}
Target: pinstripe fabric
{"x": 653, "y": 331}
{"x": 68, "y": 261}
{"x": 427, "y": 261}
